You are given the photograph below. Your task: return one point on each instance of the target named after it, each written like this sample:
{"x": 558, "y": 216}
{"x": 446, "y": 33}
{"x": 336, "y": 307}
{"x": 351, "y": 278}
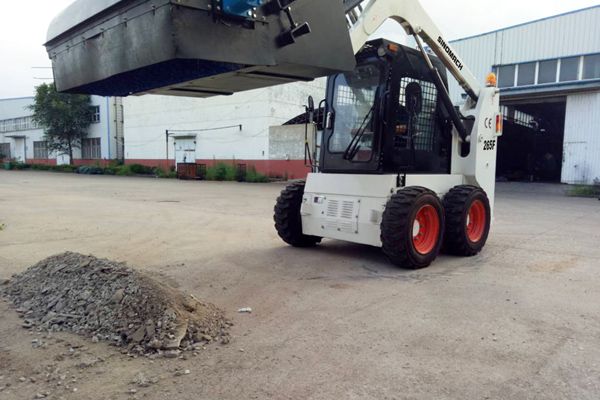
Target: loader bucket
{"x": 197, "y": 48}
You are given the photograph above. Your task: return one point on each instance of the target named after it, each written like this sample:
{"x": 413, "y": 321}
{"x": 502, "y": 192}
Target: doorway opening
{"x": 531, "y": 149}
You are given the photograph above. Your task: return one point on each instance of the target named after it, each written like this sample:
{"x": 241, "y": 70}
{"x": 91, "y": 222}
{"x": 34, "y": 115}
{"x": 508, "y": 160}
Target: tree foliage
{"x": 64, "y": 117}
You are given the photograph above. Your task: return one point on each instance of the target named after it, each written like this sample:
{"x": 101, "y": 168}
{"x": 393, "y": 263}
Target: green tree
{"x": 64, "y": 117}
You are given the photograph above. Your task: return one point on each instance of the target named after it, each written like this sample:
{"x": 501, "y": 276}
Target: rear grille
{"x": 341, "y": 215}
{"x": 347, "y": 210}
{"x": 332, "y": 208}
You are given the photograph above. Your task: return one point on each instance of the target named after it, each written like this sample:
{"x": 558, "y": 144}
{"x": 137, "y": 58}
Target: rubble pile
{"x": 108, "y": 301}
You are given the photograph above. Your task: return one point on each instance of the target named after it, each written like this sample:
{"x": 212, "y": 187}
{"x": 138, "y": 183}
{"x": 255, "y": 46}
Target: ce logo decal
{"x": 489, "y": 123}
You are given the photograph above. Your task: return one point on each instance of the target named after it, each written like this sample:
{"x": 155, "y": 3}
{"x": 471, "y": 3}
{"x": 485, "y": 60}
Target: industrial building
{"x": 549, "y": 76}
{"x": 22, "y": 140}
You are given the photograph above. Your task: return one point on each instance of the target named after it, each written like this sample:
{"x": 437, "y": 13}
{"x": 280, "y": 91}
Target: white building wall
{"x": 20, "y": 149}
{"x": 15, "y": 108}
{"x": 105, "y": 129}
{"x": 581, "y": 163}
{"x": 147, "y": 118}
{"x": 572, "y": 34}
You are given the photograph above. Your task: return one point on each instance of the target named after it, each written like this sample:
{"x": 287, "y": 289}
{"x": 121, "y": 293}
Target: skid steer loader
{"x": 399, "y": 167}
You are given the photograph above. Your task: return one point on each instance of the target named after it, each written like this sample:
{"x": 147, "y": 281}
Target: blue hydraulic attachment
{"x": 241, "y": 8}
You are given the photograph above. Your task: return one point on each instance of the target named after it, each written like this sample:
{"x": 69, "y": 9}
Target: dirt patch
{"x": 107, "y": 301}
{"x": 556, "y": 264}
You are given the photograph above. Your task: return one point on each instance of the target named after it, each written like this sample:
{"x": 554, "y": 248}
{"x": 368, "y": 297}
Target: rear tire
{"x": 288, "y": 220}
{"x": 412, "y": 228}
{"x": 468, "y": 220}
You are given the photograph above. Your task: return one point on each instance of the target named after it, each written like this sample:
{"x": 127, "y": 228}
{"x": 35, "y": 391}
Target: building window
{"x": 569, "y": 69}
{"x": 5, "y": 151}
{"x": 40, "y": 150}
{"x": 17, "y": 124}
{"x": 95, "y": 114}
{"x": 91, "y": 149}
{"x": 526, "y": 74}
{"x": 506, "y": 76}
{"x": 547, "y": 73}
{"x": 591, "y": 67}
{"x": 516, "y": 116}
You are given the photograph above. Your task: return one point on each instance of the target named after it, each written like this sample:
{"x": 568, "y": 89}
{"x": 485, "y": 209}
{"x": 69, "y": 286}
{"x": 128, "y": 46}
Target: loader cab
{"x": 386, "y": 116}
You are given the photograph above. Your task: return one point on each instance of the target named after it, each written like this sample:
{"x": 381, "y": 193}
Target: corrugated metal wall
{"x": 571, "y": 34}
{"x": 478, "y": 54}
{"x": 566, "y": 35}
{"x": 581, "y": 163}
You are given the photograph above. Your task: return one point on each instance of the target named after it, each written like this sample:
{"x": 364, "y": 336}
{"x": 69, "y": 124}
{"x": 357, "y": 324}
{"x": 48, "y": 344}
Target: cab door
{"x": 352, "y": 135}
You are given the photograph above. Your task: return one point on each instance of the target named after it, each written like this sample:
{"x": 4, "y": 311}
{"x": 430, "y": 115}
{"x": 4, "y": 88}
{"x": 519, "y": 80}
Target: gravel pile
{"x": 108, "y": 301}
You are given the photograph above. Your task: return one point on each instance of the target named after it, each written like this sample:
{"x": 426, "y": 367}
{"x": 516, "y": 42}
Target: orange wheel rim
{"x": 426, "y": 230}
{"x": 476, "y": 221}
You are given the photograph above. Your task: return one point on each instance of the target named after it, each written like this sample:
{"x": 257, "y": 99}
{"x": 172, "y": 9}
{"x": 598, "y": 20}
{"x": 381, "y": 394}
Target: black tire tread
{"x": 288, "y": 221}
{"x": 455, "y": 203}
{"x": 396, "y": 219}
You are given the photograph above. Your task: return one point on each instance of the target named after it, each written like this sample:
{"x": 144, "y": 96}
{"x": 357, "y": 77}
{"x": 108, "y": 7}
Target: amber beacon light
{"x": 491, "y": 80}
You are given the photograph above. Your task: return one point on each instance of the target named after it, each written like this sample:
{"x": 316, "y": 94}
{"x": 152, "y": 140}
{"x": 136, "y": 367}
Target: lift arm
{"x": 415, "y": 21}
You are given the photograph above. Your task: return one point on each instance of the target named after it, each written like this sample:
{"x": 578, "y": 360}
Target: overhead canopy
{"x": 186, "y": 48}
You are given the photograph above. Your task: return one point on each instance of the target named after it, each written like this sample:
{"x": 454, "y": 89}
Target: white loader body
{"x": 350, "y": 207}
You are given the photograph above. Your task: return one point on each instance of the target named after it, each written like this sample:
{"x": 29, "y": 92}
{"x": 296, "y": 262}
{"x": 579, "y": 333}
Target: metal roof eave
{"x": 555, "y": 89}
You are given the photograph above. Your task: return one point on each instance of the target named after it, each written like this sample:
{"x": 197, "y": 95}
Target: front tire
{"x": 288, "y": 221}
{"x": 412, "y": 228}
{"x": 468, "y": 220}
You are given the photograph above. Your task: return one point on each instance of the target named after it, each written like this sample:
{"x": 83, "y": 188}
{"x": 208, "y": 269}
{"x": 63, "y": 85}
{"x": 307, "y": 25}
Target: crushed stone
{"x": 108, "y": 301}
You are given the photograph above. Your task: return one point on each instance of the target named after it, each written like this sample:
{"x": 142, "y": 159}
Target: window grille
{"x": 40, "y": 150}
{"x": 5, "y": 151}
{"x": 17, "y": 124}
{"x": 424, "y": 125}
{"x": 91, "y": 149}
{"x": 96, "y": 114}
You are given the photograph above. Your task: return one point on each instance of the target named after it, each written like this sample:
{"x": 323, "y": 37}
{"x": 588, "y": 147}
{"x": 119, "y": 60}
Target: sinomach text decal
{"x": 450, "y": 53}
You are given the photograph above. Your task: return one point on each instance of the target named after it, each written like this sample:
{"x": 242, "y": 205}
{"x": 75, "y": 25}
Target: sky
{"x": 23, "y": 26}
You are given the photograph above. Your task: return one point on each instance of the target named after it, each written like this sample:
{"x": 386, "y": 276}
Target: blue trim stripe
{"x": 547, "y": 59}
{"x": 557, "y": 85}
{"x": 526, "y": 23}
{"x": 109, "y": 142}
